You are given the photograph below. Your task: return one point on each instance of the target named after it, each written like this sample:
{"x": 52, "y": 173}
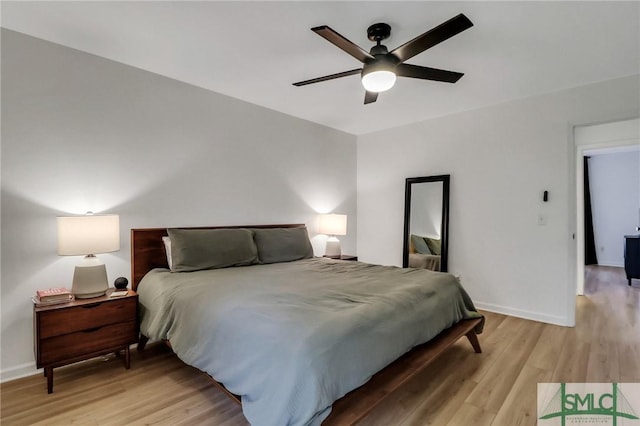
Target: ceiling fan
{"x": 381, "y": 66}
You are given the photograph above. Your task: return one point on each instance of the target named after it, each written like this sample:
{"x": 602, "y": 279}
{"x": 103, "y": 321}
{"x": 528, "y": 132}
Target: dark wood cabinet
{"x": 83, "y": 329}
{"x": 632, "y": 256}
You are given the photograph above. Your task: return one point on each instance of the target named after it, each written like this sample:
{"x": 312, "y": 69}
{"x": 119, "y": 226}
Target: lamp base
{"x": 333, "y": 248}
{"x": 89, "y": 279}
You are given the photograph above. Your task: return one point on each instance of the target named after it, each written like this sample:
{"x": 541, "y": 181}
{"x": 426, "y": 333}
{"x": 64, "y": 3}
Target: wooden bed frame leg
{"x": 473, "y": 339}
{"x": 142, "y": 342}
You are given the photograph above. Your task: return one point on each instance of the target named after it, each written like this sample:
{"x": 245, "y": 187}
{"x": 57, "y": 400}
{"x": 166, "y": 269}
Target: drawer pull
{"x": 91, "y": 330}
{"x": 90, "y": 306}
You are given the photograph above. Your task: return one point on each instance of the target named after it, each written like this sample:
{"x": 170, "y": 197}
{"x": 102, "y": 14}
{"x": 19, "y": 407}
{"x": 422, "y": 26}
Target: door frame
{"x": 605, "y": 145}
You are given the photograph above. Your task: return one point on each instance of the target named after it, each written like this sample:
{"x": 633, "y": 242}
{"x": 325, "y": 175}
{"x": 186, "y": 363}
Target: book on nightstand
{"x": 39, "y": 303}
{"x": 52, "y": 296}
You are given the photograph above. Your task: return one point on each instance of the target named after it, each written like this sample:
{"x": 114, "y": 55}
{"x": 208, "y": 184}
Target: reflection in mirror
{"x": 426, "y": 223}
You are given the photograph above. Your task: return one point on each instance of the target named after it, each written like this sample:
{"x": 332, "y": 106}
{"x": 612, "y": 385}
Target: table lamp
{"x": 332, "y": 225}
{"x": 87, "y": 236}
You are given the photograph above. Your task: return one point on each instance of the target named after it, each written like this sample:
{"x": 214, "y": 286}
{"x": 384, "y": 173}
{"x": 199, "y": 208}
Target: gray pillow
{"x": 420, "y": 245}
{"x": 282, "y": 244}
{"x": 434, "y": 245}
{"x": 197, "y": 249}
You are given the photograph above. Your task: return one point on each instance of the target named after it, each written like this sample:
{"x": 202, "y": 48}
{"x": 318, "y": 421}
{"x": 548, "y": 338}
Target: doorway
{"x": 609, "y": 138}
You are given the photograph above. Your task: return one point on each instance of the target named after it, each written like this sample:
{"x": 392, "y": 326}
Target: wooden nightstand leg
{"x": 48, "y": 371}
{"x": 127, "y": 357}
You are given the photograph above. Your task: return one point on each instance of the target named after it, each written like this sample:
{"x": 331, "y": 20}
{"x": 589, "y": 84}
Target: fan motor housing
{"x": 378, "y": 32}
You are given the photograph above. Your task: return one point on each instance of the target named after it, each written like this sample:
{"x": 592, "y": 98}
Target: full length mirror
{"x": 426, "y": 223}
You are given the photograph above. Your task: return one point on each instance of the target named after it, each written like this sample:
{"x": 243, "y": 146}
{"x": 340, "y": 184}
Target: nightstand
{"x": 83, "y": 329}
{"x": 344, "y": 257}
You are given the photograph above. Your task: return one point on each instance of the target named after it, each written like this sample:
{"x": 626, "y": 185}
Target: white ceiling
{"x": 255, "y": 50}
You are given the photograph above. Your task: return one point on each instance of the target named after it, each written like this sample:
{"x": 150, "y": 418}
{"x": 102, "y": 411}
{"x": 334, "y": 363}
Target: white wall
{"x": 84, "y": 133}
{"x": 501, "y": 159}
{"x": 614, "y": 180}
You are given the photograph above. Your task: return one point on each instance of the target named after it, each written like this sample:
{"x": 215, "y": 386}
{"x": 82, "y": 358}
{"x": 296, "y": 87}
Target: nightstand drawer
{"x": 57, "y": 322}
{"x": 72, "y": 345}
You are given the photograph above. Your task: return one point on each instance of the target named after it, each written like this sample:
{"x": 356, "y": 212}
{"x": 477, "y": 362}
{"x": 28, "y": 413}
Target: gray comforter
{"x": 291, "y": 338}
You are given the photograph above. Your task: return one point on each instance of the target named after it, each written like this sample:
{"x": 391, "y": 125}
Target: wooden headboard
{"x": 147, "y": 249}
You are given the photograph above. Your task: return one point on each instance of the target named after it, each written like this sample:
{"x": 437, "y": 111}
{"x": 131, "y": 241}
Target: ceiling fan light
{"x": 379, "y": 81}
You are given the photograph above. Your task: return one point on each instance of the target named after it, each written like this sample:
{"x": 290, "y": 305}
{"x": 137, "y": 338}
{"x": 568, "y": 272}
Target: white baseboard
{"x": 520, "y": 313}
{"x": 19, "y": 371}
{"x": 29, "y": 369}
{"x": 614, "y": 263}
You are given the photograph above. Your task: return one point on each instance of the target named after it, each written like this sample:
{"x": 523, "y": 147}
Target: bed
{"x": 295, "y": 341}
{"x": 424, "y": 261}
{"x": 424, "y": 253}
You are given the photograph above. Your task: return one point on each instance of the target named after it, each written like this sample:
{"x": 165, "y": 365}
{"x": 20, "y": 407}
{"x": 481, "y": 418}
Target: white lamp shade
{"x": 91, "y": 234}
{"x": 332, "y": 224}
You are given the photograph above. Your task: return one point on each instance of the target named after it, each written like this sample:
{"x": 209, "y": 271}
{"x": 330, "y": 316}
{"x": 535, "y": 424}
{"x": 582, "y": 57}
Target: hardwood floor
{"x": 497, "y": 387}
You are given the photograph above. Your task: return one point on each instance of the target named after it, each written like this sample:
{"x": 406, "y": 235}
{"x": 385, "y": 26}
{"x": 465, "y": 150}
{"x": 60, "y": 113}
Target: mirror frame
{"x": 444, "y": 234}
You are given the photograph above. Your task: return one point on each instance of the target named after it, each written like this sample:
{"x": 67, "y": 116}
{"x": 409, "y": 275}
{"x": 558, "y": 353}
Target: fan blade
{"x": 328, "y": 77}
{"x": 426, "y": 73}
{"x": 342, "y": 43}
{"x": 436, "y": 35}
{"x": 370, "y": 97}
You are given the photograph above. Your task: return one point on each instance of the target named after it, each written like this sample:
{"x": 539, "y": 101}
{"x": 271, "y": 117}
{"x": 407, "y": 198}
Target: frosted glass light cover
{"x": 332, "y": 224}
{"x": 91, "y": 234}
{"x": 378, "y": 81}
